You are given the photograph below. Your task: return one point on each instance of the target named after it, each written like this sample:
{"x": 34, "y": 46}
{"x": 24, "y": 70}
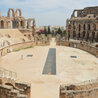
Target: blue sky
{"x": 46, "y": 12}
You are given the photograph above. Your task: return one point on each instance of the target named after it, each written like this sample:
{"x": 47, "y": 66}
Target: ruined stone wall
{"x": 83, "y": 27}
{"x": 93, "y": 93}
{"x": 87, "y": 89}
{"x": 9, "y": 88}
{"x": 16, "y": 21}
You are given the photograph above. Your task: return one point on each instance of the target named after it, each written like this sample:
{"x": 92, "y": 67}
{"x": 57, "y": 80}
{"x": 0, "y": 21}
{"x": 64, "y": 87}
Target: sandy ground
{"x": 69, "y": 70}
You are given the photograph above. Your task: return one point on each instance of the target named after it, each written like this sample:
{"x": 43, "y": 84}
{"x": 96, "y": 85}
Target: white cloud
{"x": 53, "y": 12}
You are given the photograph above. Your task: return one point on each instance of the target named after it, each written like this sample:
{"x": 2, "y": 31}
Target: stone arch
{"x": 18, "y": 10}
{"x": 30, "y": 23}
{"x": 13, "y": 13}
{"x": 2, "y": 24}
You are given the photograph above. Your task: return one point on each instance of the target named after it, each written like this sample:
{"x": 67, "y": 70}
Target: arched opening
{"x": 7, "y": 50}
{"x": 74, "y": 34}
{"x": 93, "y": 36}
{"x": 96, "y": 39}
{"x": 11, "y": 24}
{"x": 83, "y": 34}
{"x": 89, "y": 27}
{"x": 75, "y": 13}
{"x": 18, "y": 12}
{"x": 78, "y": 35}
{"x": 26, "y": 24}
{"x": 21, "y": 23}
{"x": 79, "y": 27}
{"x": 31, "y": 24}
{"x": 68, "y": 35}
{"x": 94, "y": 26}
{"x": 69, "y": 26}
{"x": 87, "y": 38}
{"x": 29, "y": 37}
{"x": 84, "y": 27}
{"x": 2, "y": 24}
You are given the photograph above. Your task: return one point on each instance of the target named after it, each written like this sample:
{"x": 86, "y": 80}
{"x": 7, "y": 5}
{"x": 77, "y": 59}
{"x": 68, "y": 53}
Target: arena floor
{"x": 72, "y": 66}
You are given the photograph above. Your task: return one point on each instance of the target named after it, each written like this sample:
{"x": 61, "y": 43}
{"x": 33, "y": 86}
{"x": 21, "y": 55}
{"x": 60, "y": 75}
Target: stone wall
{"x": 18, "y": 46}
{"x": 85, "y": 47}
{"x": 9, "y": 88}
{"x": 84, "y": 25}
{"x": 87, "y": 89}
{"x": 8, "y": 49}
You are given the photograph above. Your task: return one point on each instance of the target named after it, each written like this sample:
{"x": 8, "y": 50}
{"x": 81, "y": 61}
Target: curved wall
{"x": 8, "y": 49}
{"x": 85, "y": 47}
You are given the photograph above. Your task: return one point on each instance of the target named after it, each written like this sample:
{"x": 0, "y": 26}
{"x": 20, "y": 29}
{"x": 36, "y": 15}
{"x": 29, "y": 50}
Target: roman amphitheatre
{"x": 39, "y": 66}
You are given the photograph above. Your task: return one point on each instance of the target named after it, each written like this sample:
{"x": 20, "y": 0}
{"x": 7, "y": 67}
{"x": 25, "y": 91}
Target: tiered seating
{"x": 9, "y": 88}
{"x": 11, "y": 36}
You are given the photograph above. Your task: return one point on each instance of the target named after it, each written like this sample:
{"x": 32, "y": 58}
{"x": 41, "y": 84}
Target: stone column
{"x": 28, "y": 24}
{"x": 24, "y": 24}
{"x": 34, "y": 27}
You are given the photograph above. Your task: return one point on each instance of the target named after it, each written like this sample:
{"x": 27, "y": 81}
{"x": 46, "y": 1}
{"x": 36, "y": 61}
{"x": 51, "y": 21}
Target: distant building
{"x": 52, "y": 28}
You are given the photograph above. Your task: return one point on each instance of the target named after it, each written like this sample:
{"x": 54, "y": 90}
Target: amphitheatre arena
{"x": 39, "y": 66}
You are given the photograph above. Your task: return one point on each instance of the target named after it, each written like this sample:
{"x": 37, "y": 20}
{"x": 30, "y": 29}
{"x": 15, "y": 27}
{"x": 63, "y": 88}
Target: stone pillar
{"x": 24, "y": 24}
{"x": 0, "y": 23}
{"x": 0, "y": 13}
{"x": 19, "y": 24}
{"x": 9, "y": 24}
{"x": 28, "y": 24}
{"x": 34, "y": 27}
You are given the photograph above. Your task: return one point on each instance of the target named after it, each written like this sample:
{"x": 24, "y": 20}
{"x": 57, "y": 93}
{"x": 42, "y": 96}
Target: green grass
{"x": 24, "y": 48}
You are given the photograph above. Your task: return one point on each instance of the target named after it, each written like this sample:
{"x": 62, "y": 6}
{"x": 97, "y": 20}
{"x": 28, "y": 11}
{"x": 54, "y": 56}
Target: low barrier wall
{"x": 13, "y": 47}
{"x": 7, "y": 49}
{"x": 85, "y": 47}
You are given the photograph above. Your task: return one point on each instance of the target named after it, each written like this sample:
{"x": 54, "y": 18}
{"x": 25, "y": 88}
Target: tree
{"x": 49, "y": 32}
{"x": 45, "y": 31}
{"x": 59, "y": 31}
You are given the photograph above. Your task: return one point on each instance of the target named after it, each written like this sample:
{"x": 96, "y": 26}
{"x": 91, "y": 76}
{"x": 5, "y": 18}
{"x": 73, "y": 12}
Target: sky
{"x": 46, "y": 12}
